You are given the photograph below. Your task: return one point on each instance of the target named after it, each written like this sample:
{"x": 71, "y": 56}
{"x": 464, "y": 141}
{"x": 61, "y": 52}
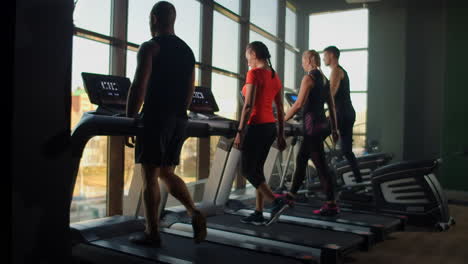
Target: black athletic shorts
{"x": 161, "y": 141}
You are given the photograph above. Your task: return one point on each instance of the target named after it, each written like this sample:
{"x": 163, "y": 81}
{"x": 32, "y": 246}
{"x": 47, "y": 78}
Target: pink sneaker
{"x": 328, "y": 209}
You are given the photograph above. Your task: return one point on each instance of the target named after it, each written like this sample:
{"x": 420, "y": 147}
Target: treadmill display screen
{"x": 291, "y": 98}
{"x": 203, "y": 101}
{"x": 106, "y": 90}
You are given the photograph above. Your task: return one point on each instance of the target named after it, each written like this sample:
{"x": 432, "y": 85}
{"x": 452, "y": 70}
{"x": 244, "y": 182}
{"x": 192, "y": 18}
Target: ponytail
{"x": 271, "y": 67}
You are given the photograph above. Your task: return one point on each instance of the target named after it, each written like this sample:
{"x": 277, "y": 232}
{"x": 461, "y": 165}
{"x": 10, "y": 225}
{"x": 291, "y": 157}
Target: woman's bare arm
{"x": 250, "y": 93}
{"x": 307, "y": 83}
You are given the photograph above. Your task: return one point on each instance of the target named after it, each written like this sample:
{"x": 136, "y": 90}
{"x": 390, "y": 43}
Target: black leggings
{"x": 257, "y": 143}
{"x": 312, "y": 148}
{"x": 345, "y": 126}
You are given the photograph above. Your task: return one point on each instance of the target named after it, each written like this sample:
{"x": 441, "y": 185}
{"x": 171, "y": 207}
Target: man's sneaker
{"x": 256, "y": 218}
{"x": 328, "y": 209}
{"x": 199, "y": 227}
{"x": 279, "y": 206}
{"x": 288, "y": 197}
{"x": 146, "y": 239}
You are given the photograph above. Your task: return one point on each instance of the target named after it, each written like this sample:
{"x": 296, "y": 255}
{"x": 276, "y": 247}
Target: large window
{"x": 225, "y": 43}
{"x": 290, "y": 53}
{"x": 225, "y": 91}
{"x": 360, "y": 106}
{"x": 348, "y": 31}
{"x": 131, "y": 64}
{"x": 187, "y": 25}
{"x": 93, "y": 15}
{"x": 264, "y": 13}
{"x": 289, "y": 69}
{"x": 225, "y": 57}
{"x": 89, "y": 196}
{"x": 291, "y": 26}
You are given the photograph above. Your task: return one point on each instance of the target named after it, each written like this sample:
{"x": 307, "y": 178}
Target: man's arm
{"x": 335, "y": 81}
{"x": 306, "y": 84}
{"x": 332, "y": 112}
{"x": 137, "y": 91}
{"x": 191, "y": 89}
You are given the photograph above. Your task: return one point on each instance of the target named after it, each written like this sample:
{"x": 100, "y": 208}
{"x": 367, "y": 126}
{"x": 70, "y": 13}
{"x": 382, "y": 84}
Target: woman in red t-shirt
{"x": 257, "y": 128}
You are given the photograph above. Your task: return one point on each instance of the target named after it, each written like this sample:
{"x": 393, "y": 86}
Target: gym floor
{"x": 415, "y": 246}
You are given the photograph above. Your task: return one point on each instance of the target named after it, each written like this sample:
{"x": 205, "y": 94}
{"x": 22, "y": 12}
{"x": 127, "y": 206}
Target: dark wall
{"x": 416, "y": 103}
{"x": 386, "y": 77}
{"x": 455, "y": 123}
{"x": 40, "y": 132}
{"x": 406, "y": 77}
{"x": 425, "y": 77}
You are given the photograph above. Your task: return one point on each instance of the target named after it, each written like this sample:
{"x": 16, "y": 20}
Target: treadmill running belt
{"x": 183, "y": 250}
{"x": 370, "y": 219}
{"x": 305, "y": 236}
{"x": 305, "y": 211}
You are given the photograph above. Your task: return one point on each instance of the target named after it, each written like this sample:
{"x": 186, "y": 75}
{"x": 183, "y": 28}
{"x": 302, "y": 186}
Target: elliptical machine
{"x": 407, "y": 188}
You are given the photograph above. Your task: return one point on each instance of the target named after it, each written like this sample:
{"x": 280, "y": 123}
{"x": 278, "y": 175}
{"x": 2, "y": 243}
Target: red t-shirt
{"x": 267, "y": 88}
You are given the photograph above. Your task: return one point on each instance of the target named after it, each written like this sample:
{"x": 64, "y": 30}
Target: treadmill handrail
{"x": 92, "y": 125}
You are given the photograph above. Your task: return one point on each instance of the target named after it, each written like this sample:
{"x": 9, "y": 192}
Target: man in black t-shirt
{"x": 346, "y": 116}
{"x": 164, "y": 82}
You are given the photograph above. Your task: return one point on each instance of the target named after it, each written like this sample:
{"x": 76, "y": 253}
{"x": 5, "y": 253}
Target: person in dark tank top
{"x": 339, "y": 87}
{"x": 313, "y": 94}
{"x": 164, "y": 82}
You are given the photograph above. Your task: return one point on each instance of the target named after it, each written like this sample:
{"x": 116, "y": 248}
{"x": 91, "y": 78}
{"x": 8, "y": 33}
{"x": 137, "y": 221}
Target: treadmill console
{"x": 107, "y": 91}
{"x": 203, "y": 101}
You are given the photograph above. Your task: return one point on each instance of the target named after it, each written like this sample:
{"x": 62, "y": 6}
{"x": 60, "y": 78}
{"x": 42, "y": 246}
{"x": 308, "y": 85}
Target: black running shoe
{"x": 146, "y": 240}
{"x": 199, "y": 227}
{"x": 279, "y": 206}
{"x": 256, "y": 218}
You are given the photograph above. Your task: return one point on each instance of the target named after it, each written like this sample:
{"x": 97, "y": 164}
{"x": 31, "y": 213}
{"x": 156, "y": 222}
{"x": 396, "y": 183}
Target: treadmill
{"x": 407, "y": 190}
{"x": 110, "y": 235}
{"x": 329, "y": 245}
{"x": 353, "y": 221}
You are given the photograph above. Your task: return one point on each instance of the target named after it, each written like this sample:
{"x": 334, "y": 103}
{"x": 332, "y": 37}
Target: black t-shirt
{"x": 343, "y": 97}
{"x": 166, "y": 95}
